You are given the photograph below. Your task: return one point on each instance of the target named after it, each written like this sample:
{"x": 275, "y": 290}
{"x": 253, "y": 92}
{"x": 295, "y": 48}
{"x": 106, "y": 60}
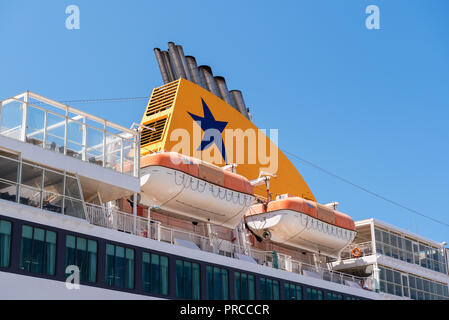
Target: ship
{"x": 192, "y": 202}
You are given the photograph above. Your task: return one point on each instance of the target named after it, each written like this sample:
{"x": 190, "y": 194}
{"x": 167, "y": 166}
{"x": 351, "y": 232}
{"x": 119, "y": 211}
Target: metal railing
{"x": 285, "y": 262}
{"x": 111, "y": 218}
{"x": 114, "y": 219}
{"x": 51, "y": 125}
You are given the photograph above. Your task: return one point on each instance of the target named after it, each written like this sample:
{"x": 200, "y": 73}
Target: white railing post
{"x": 44, "y": 142}
{"x": 84, "y": 150}
{"x": 134, "y": 212}
{"x": 104, "y": 145}
{"x": 122, "y": 151}
{"x": 24, "y": 117}
{"x": 137, "y": 155}
{"x": 373, "y": 237}
{"x": 66, "y": 129}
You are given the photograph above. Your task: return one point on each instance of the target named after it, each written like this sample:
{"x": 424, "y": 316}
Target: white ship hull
{"x": 21, "y": 287}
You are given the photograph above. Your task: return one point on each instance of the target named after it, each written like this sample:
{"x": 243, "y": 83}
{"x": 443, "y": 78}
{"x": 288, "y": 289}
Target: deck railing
{"x": 350, "y": 252}
{"x": 114, "y": 219}
{"x": 51, "y": 125}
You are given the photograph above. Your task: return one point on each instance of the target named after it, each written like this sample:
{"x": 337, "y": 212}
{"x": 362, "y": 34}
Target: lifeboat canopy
{"x": 194, "y": 189}
{"x": 303, "y": 224}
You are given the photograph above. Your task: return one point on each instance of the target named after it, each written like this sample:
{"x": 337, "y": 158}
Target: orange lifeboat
{"x": 193, "y": 188}
{"x": 301, "y": 223}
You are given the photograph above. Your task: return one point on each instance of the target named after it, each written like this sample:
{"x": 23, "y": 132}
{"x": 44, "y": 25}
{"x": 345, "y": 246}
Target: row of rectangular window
{"x": 217, "y": 283}
{"x": 412, "y": 252}
{"x": 38, "y": 255}
{"x": 314, "y": 294}
{"x": 244, "y": 286}
{"x": 334, "y": 296}
{"x": 155, "y": 273}
{"x": 269, "y": 289}
{"x": 187, "y": 280}
{"x": 292, "y": 292}
{"x": 402, "y": 284}
{"x": 40, "y": 187}
{"x": 82, "y": 253}
{"x": 38, "y": 251}
{"x": 119, "y": 267}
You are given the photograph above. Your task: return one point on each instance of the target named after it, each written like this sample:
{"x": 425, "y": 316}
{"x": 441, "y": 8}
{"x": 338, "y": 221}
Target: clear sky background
{"x": 371, "y": 106}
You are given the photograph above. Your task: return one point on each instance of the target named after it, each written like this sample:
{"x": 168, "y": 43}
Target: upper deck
{"x": 105, "y": 156}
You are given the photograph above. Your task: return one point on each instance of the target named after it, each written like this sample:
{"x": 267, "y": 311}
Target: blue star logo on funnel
{"x": 208, "y": 122}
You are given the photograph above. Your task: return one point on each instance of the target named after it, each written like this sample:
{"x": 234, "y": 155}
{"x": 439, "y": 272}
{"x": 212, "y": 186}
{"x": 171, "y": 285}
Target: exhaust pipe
{"x": 168, "y": 65}
{"x": 223, "y": 89}
{"x": 237, "y": 99}
{"x": 185, "y": 67}
{"x": 210, "y": 81}
{"x": 173, "y": 65}
{"x": 193, "y": 68}
{"x": 161, "y": 63}
{"x": 176, "y": 64}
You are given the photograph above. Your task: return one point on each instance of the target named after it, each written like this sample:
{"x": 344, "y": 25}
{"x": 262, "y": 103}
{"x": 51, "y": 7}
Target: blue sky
{"x": 371, "y": 106}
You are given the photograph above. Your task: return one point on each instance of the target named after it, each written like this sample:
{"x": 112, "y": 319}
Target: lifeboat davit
{"x": 193, "y": 188}
{"x": 301, "y": 223}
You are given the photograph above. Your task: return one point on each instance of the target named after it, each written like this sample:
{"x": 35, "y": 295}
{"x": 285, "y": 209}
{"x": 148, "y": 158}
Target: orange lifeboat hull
{"x": 304, "y": 224}
{"x": 192, "y": 188}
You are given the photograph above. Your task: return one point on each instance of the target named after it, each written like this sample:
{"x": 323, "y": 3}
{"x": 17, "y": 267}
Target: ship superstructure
{"x": 402, "y": 263}
{"x": 167, "y": 210}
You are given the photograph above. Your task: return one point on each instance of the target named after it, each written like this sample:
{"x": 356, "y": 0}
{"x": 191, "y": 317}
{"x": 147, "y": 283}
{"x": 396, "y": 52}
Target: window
{"x": 82, "y": 253}
{"x": 314, "y": 294}
{"x": 119, "y": 267}
{"x": 38, "y": 250}
{"x": 8, "y": 176}
{"x": 217, "y": 283}
{"x": 292, "y": 292}
{"x": 5, "y": 243}
{"x": 400, "y": 247}
{"x": 335, "y": 296}
{"x": 39, "y": 186}
{"x": 269, "y": 289}
{"x": 154, "y": 273}
{"x": 403, "y": 284}
{"x": 187, "y": 280}
{"x": 244, "y": 288}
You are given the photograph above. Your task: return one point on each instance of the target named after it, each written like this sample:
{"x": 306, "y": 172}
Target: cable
{"x": 366, "y": 190}
{"x": 99, "y": 100}
{"x": 106, "y": 100}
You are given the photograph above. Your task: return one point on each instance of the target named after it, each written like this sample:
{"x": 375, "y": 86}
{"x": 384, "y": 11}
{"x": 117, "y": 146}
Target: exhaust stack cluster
{"x": 173, "y": 65}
